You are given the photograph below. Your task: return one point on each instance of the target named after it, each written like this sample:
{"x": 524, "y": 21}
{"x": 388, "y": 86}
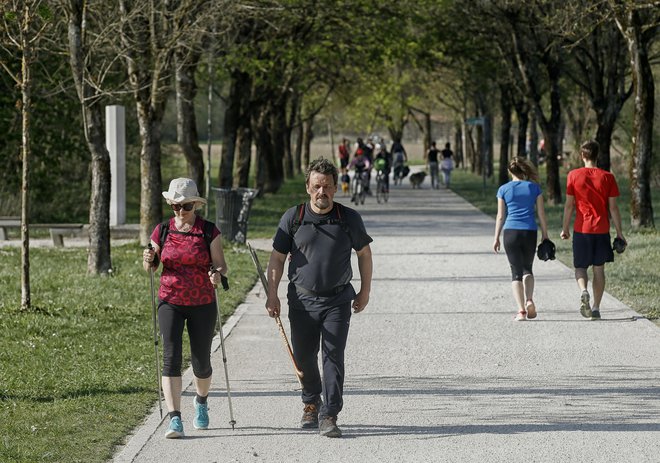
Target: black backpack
{"x": 208, "y": 234}
{"x": 338, "y": 220}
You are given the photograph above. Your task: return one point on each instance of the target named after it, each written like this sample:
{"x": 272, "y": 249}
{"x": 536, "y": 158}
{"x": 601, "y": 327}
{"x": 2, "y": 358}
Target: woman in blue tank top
{"x": 517, "y": 202}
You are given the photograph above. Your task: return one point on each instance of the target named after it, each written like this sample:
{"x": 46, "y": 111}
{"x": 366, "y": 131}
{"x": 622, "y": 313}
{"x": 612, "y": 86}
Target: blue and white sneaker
{"x": 201, "y": 420}
{"x": 175, "y": 429}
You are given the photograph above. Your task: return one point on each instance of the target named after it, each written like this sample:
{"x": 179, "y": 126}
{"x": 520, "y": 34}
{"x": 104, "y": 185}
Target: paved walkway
{"x": 437, "y": 369}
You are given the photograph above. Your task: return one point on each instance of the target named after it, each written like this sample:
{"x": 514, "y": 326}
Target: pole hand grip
{"x": 223, "y": 279}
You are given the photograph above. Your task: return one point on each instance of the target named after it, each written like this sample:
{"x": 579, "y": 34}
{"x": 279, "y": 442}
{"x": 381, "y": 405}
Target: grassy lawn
{"x": 632, "y": 277}
{"x": 77, "y": 372}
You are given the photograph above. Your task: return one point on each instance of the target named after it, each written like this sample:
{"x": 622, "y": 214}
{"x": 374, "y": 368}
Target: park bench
{"x": 57, "y": 230}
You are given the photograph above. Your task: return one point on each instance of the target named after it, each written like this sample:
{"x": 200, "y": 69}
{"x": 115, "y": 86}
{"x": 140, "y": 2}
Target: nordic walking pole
{"x": 156, "y": 336}
{"x": 225, "y": 286}
{"x": 264, "y": 282}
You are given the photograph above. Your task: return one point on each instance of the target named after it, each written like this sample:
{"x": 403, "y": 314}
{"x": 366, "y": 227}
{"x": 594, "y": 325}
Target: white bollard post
{"x": 115, "y": 140}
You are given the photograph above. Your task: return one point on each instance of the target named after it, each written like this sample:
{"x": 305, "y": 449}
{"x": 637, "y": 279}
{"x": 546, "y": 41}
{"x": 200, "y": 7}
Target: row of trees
{"x": 279, "y": 64}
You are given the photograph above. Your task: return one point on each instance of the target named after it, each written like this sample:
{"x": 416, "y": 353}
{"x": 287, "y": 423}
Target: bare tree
{"x": 150, "y": 34}
{"x": 639, "y": 25}
{"x": 24, "y": 23}
{"x": 83, "y": 55}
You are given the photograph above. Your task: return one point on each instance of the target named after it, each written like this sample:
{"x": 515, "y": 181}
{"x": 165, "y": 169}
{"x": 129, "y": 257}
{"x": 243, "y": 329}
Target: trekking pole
{"x": 285, "y": 339}
{"x": 225, "y": 286}
{"x": 156, "y": 336}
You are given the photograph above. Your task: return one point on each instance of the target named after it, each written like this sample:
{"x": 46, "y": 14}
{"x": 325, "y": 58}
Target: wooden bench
{"x": 57, "y": 230}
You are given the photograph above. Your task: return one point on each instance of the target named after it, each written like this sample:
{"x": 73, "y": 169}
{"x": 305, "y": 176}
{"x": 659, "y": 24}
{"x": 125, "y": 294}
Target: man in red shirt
{"x": 591, "y": 193}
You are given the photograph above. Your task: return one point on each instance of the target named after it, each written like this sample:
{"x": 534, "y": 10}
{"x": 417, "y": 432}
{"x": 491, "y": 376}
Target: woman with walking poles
{"x": 516, "y": 202}
{"x": 190, "y": 249}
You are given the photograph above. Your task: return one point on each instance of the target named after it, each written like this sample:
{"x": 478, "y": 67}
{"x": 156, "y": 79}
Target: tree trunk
{"x": 479, "y": 151}
{"x": 150, "y": 176}
{"x": 244, "y": 152}
{"x": 297, "y": 154}
{"x": 641, "y": 207}
{"x": 551, "y": 146}
{"x": 308, "y": 136}
{"x": 294, "y": 124}
{"x": 186, "y": 127}
{"x": 522, "y": 114}
{"x": 232, "y": 121}
{"x": 279, "y": 133}
{"x": 275, "y": 128}
{"x": 98, "y": 257}
{"x": 458, "y": 146}
{"x": 533, "y": 138}
{"x": 26, "y": 107}
{"x": 604, "y": 139}
{"x": 244, "y": 141}
{"x": 505, "y": 131}
{"x": 150, "y": 88}
{"x": 263, "y": 147}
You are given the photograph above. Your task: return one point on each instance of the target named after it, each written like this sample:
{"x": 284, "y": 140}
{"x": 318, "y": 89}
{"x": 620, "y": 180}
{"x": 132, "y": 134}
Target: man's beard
{"x": 322, "y": 203}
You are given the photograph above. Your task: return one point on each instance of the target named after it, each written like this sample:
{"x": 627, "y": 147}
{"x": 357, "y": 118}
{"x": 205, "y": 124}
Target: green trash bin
{"x": 232, "y": 212}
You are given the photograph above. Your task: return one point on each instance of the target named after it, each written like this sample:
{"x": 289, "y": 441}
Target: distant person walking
{"x": 432, "y": 163}
{"x": 591, "y": 194}
{"x": 319, "y": 236}
{"x": 186, "y": 297}
{"x": 516, "y": 202}
{"x": 447, "y": 164}
{"x": 344, "y": 154}
{"x": 400, "y": 158}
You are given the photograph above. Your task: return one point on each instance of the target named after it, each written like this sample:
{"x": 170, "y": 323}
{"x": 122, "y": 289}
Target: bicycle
{"x": 382, "y": 192}
{"x": 357, "y": 188}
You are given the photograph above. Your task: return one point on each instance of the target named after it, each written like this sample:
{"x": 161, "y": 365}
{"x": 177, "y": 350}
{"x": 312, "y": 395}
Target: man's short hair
{"x": 322, "y": 166}
{"x": 589, "y": 150}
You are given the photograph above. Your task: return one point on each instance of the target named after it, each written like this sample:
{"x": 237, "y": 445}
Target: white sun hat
{"x": 183, "y": 190}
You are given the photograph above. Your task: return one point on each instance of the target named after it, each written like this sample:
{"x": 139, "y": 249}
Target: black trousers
{"x": 327, "y": 328}
{"x": 200, "y": 321}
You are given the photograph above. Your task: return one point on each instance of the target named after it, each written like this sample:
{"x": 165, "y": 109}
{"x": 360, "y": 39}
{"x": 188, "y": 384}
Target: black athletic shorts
{"x": 591, "y": 249}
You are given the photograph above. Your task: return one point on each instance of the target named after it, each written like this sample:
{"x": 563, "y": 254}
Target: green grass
{"x": 632, "y": 277}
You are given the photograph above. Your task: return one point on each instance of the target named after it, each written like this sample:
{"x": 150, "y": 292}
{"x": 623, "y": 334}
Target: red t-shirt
{"x": 592, "y": 187}
{"x": 186, "y": 262}
{"x": 343, "y": 152}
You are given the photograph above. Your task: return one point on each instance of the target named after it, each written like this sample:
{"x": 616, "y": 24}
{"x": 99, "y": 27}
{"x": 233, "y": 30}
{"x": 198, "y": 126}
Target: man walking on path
{"x": 319, "y": 236}
{"x": 591, "y": 193}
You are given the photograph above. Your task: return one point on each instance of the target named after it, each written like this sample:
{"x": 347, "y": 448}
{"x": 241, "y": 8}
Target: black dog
{"x": 417, "y": 178}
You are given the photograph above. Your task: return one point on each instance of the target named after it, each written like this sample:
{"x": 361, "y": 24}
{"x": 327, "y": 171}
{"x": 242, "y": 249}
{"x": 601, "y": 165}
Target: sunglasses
{"x": 185, "y": 207}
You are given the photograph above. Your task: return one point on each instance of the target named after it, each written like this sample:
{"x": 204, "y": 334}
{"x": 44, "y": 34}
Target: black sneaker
{"x": 310, "y": 418}
{"x": 595, "y": 314}
{"x": 328, "y": 427}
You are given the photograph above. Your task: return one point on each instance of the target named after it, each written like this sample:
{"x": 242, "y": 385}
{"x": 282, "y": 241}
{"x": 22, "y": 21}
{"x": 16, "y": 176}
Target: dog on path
{"x": 417, "y": 178}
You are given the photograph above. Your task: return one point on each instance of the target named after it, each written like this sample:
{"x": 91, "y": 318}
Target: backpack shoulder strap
{"x": 297, "y": 220}
{"x": 162, "y": 236}
{"x": 342, "y": 222}
{"x": 208, "y": 233}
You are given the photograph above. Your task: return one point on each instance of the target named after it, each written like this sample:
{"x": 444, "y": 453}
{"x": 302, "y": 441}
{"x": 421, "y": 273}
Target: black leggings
{"x": 520, "y": 246}
{"x": 200, "y": 321}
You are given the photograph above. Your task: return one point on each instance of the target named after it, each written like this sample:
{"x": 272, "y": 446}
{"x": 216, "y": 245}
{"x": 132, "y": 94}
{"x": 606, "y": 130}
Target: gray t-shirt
{"x": 320, "y": 259}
